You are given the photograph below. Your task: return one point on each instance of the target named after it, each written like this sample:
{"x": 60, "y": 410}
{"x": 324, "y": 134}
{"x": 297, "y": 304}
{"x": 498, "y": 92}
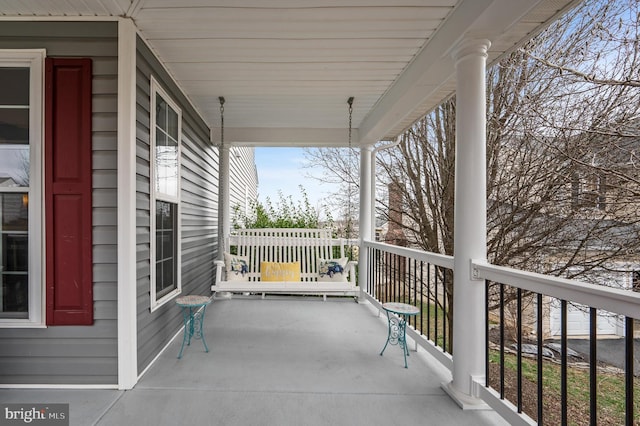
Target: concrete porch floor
{"x": 279, "y": 361}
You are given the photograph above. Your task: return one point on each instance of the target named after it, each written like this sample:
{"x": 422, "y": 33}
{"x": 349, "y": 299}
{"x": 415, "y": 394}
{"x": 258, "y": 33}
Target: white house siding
{"x": 77, "y": 354}
{"x": 578, "y": 318}
{"x": 199, "y": 199}
{"x": 243, "y": 182}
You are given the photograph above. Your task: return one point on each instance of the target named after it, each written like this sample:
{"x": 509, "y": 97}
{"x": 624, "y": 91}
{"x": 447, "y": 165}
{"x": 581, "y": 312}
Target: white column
{"x": 127, "y": 313}
{"x": 366, "y": 219}
{"x": 224, "y": 210}
{"x": 470, "y": 223}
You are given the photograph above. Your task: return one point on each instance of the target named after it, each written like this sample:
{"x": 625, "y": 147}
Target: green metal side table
{"x": 398, "y": 325}
{"x": 193, "y": 309}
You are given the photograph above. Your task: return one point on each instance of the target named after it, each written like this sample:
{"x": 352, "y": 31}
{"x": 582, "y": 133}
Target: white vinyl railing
{"x": 619, "y": 302}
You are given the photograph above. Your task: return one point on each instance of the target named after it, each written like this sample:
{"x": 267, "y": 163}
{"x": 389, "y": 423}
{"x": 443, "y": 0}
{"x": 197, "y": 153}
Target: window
{"x": 21, "y": 76}
{"x": 165, "y": 216}
{"x": 589, "y": 191}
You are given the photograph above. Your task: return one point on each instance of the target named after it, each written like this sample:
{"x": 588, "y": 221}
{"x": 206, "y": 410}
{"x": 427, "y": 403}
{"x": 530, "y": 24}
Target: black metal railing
{"x": 397, "y": 274}
{"x": 527, "y": 373}
{"x": 553, "y": 378}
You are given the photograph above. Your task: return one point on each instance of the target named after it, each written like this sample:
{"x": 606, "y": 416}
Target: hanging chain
{"x": 350, "y": 102}
{"x": 221, "y": 99}
{"x": 349, "y": 183}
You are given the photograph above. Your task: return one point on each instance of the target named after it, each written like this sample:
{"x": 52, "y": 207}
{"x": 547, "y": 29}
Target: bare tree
{"x": 340, "y": 167}
{"x": 563, "y": 142}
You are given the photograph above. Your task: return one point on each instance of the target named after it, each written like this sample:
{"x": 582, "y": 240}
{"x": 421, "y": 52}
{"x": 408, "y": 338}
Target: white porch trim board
{"x": 127, "y": 328}
{"x": 504, "y": 407}
{"x": 470, "y": 222}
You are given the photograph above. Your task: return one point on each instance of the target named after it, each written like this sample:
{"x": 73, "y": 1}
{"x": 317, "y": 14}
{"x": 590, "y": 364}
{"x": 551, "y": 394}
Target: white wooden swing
{"x": 323, "y": 267}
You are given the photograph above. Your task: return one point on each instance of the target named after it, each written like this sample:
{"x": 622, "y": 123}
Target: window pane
{"x": 159, "y": 237}
{"x": 161, "y": 138}
{"x": 161, "y": 112}
{"x": 159, "y": 278}
{"x": 15, "y": 296}
{"x": 166, "y": 279}
{"x": 166, "y": 152}
{"x": 164, "y": 215}
{"x": 167, "y": 170}
{"x": 167, "y": 273}
{"x": 15, "y": 253}
{"x": 15, "y": 86}
{"x": 15, "y": 212}
{"x": 14, "y": 165}
{"x": 14, "y": 127}
{"x": 168, "y": 218}
{"x": 172, "y": 124}
{"x": 164, "y": 245}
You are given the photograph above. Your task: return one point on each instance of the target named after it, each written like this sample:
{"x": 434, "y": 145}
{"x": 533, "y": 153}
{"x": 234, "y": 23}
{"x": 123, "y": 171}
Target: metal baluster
{"x": 435, "y": 306}
{"x": 444, "y": 309}
{"x": 540, "y": 361}
{"x": 563, "y": 364}
{"x": 415, "y": 292}
{"x": 593, "y": 370}
{"x": 501, "y": 341}
{"x": 429, "y": 266}
{"x": 519, "y": 355}
{"x": 422, "y": 297}
{"x": 486, "y": 333}
{"x": 628, "y": 367}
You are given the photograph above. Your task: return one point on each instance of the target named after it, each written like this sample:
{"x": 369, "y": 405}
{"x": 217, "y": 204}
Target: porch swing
{"x": 290, "y": 261}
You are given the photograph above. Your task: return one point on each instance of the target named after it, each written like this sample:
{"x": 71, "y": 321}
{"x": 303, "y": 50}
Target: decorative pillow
{"x": 333, "y": 269}
{"x": 279, "y": 271}
{"x": 237, "y": 267}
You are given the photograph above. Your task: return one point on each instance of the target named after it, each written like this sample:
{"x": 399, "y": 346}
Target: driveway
{"x": 610, "y": 351}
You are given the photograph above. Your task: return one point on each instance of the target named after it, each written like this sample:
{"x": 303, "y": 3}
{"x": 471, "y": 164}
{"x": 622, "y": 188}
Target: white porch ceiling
{"x": 287, "y": 67}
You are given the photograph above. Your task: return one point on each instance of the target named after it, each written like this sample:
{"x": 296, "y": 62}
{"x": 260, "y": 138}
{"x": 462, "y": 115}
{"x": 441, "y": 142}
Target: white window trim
{"x": 156, "y": 89}
{"x": 34, "y": 59}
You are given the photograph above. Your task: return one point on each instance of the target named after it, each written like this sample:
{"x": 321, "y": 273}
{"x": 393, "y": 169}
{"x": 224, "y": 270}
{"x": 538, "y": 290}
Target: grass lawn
{"x": 611, "y": 387}
{"x": 430, "y": 318}
{"x": 610, "y": 398}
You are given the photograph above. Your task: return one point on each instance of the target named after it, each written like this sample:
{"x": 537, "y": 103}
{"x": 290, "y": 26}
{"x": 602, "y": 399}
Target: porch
{"x": 278, "y": 361}
{"x": 284, "y": 360}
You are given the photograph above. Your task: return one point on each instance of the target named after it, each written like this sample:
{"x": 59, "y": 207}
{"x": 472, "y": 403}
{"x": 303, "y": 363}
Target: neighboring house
{"x": 243, "y": 182}
{"x": 600, "y": 227}
{"x": 7, "y": 181}
{"x": 618, "y": 272}
{"x": 67, "y": 331}
{"x": 606, "y": 206}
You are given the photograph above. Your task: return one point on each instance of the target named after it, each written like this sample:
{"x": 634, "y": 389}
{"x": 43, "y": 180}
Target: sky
{"x": 284, "y": 169}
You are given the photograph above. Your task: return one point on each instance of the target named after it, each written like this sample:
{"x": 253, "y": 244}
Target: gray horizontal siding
{"x": 70, "y": 354}
{"x": 199, "y": 195}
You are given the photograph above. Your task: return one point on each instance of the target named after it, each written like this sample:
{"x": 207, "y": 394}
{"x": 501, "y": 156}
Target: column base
{"x": 464, "y": 401}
